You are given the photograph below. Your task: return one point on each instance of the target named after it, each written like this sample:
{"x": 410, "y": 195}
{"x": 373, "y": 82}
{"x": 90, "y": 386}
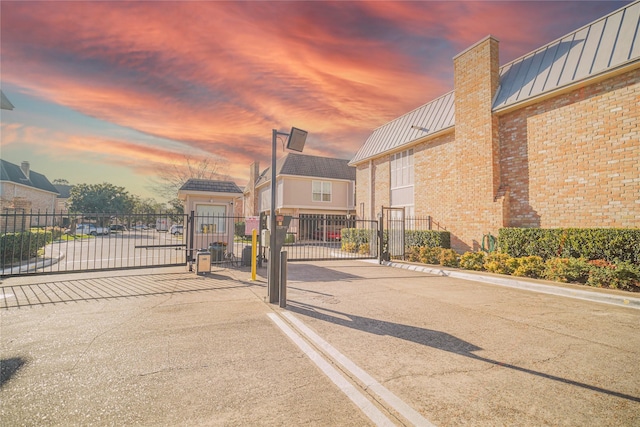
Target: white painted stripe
{"x": 345, "y": 386}
{"x": 394, "y": 401}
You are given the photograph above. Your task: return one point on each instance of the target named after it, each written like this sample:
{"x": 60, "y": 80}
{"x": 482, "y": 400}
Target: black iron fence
{"x": 36, "y": 242}
{"x": 327, "y": 237}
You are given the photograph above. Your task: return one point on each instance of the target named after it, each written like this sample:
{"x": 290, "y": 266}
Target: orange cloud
{"x": 214, "y": 78}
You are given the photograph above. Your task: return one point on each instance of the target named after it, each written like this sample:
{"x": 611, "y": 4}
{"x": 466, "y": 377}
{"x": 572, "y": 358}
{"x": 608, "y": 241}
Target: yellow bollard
{"x": 254, "y": 252}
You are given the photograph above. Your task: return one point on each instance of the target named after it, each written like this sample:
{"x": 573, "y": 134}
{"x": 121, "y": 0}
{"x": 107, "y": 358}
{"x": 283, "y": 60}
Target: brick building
{"x": 549, "y": 140}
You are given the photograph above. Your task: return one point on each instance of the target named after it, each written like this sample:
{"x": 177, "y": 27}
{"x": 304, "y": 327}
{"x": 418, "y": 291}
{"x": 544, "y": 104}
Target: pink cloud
{"x": 216, "y": 77}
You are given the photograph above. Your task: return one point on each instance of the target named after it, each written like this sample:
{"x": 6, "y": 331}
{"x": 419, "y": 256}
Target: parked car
{"x": 118, "y": 227}
{"x": 176, "y": 229}
{"x": 91, "y": 229}
{"x": 332, "y": 234}
{"x": 140, "y": 227}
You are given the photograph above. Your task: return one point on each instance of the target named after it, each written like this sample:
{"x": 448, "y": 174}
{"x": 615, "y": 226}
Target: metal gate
{"x": 331, "y": 237}
{"x": 393, "y": 232}
{"x": 34, "y": 242}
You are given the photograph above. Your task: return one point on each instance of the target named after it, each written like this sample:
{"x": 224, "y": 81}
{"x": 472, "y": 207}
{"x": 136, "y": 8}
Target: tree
{"x": 171, "y": 177}
{"x": 148, "y": 205}
{"x": 60, "y": 181}
{"x": 100, "y": 198}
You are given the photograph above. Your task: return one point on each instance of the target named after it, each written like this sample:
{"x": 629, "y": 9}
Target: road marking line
{"x": 345, "y": 386}
{"x": 394, "y": 401}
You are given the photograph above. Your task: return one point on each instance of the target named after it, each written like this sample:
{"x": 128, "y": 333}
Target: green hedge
{"x": 25, "y": 245}
{"x": 430, "y": 238}
{"x": 610, "y": 244}
{"x": 355, "y": 237}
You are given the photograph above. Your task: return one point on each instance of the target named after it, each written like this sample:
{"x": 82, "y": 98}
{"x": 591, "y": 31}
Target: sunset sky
{"x": 111, "y": 91}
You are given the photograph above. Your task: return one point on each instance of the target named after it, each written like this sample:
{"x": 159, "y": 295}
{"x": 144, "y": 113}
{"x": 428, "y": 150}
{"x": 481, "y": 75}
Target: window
{"x": 321, "y": 191}
{"x": 402, "y": 169}
{"x": 210, "y": 219}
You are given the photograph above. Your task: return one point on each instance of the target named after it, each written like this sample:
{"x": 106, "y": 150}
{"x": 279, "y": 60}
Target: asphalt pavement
{"x": 357, "y": 344}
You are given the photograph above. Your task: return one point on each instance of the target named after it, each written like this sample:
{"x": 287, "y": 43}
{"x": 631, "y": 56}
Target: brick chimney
{"x": 476, "y": 79}
{"x": 25, "y": 168}
{"x": 251, "y": 196}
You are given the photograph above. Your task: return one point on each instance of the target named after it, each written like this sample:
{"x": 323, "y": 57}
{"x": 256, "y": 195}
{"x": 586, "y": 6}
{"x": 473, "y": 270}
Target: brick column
{"x": 478, "y": 199}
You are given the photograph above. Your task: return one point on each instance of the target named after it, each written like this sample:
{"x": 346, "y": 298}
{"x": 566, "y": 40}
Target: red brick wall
{"x": 574, "y": 160}
{"x": 380, "y": 182}
{"x": 434, "y": 166}
{"x": 568, "y": 161}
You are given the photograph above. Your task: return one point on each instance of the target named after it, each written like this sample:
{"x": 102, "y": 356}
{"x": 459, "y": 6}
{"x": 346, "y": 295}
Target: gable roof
{"x": 13, "y": 173}
{"x": 606, "y": 44}
{"x": 429, "y": 119}
{"x": 64, "y": 190}
{"x": 210, "y": 186}
{"x": 310, "y": 166}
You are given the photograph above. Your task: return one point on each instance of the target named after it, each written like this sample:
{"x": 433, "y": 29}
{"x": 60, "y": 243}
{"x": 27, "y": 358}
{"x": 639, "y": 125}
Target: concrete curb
{"x": 588, "y": 295}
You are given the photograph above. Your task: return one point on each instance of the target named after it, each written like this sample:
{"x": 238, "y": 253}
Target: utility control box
{"x": 265, "y": 238}
{"x": 203, "y": 262}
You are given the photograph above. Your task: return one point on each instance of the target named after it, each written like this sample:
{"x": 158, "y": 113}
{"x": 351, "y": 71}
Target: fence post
{"x": 283, "y": 279}
{"x": 190, "y": 238}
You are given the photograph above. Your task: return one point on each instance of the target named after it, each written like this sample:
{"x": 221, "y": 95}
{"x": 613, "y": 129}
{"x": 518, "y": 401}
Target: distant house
{"x": 62, "y": 202}
{"x": 22, "y": 188}
{"x": 213, "y": 204}
{"x": 308, "y": 187}
{"x": 548, "y": 140}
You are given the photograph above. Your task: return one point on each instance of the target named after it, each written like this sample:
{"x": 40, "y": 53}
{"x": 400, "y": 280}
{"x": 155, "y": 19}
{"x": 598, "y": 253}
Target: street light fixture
{"x": 295, "y": 141}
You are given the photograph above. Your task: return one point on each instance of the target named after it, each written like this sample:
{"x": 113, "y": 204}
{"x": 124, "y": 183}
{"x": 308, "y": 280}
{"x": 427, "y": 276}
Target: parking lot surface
{"x": 358, "y": 344}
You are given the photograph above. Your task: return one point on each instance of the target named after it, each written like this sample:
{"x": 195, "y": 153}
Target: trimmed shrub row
{"x": 431, "y": 238}
{"x": 611, "y": 244}
{"x": 24, "y": 245}
{"x": 599, "y": 273}
{"x": 358, "y": 240}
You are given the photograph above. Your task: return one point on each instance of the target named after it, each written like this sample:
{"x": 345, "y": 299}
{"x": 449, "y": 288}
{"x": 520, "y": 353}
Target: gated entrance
{"x": 32, "y": 243}
{"x": 393, "y": 231}
{"x": 35, "y": 242}
{"x": 331, "y": 237}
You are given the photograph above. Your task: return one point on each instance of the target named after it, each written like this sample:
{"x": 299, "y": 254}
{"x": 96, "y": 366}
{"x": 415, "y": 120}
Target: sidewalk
{"x": 605, "y": 296}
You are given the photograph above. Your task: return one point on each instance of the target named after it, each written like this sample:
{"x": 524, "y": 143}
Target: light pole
{"x": 295, "y": 141}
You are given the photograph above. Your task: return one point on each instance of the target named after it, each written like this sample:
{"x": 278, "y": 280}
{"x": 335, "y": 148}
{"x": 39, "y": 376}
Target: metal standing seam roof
{"x": 426, "y": 120}
{"x": 211, "y": 186}
{"x": 295, "y": 164}
{"x": 608, "y": 43}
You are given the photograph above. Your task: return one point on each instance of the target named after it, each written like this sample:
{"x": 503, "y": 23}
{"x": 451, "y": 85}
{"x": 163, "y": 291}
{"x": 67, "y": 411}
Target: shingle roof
{"x": 64, "y": 190}
{"x": 312, "y": 166}
{"x": 13, "y": 173}
{"x": 211, "y": 186}
{"x": 611, "y": 42}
